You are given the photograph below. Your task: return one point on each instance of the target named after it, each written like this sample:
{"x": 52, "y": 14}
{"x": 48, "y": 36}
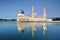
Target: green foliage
{"x": 56, "y": 19}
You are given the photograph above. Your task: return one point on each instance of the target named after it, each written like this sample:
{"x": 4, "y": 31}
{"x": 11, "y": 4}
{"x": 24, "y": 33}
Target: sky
{"x": 9, "y": 8}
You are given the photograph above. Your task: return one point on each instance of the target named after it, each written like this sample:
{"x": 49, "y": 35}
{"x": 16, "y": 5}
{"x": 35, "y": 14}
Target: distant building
{"x": 34, "y": 17}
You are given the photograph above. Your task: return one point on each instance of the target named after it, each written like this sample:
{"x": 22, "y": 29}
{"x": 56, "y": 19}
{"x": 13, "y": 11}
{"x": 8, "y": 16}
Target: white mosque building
{"x": 34, "y": 17}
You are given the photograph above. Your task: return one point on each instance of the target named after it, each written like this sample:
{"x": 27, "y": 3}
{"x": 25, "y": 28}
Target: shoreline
{"x": 41, "y": 21}
{"x": 34, "y": 21}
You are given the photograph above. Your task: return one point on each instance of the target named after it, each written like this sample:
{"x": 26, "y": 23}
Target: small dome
{"x": 21, "y": 11}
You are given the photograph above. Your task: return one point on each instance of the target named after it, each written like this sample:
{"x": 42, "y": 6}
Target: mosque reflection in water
{"x": 22, "y": 25}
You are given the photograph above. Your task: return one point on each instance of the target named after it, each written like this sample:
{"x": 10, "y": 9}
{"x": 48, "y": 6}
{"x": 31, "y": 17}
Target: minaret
{"x": 44, "y": 16}
{"x": 32, "y": 11}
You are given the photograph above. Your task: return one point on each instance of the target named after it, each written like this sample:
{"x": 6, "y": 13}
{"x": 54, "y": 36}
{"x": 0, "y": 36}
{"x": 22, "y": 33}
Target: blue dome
{"x": 21, "y": 11}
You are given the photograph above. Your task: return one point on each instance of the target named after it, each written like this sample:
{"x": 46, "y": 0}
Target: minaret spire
{"x": 32, "y": 11}
{"x": 44, "y": 16}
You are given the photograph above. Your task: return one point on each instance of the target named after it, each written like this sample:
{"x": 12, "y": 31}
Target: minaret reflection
{"x": 44, "y": 28}
{"x": 33, "y": 29}
{"x": 22, "y": 25}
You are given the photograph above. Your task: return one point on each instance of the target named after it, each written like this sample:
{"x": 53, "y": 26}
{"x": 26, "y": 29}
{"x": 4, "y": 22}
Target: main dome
{"x": 21, "y": 11}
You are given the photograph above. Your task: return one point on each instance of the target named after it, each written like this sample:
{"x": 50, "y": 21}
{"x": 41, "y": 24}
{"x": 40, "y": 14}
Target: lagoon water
{"x": 29, "y": 31}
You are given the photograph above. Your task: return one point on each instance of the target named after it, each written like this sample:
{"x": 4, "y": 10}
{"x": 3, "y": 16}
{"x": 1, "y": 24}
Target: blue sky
{"x": 9, "y": 8}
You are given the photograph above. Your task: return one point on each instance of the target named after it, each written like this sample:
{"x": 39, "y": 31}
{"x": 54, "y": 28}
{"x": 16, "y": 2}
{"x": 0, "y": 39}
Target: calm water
{"x": 29, "y": 31}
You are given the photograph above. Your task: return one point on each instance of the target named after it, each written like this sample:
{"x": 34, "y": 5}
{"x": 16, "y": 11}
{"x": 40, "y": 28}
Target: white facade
{"x": 49, "y": 19}
{"x": 20, "y": 14}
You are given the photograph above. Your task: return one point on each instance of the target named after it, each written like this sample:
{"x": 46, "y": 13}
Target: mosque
{"x": 34, "y": 17}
